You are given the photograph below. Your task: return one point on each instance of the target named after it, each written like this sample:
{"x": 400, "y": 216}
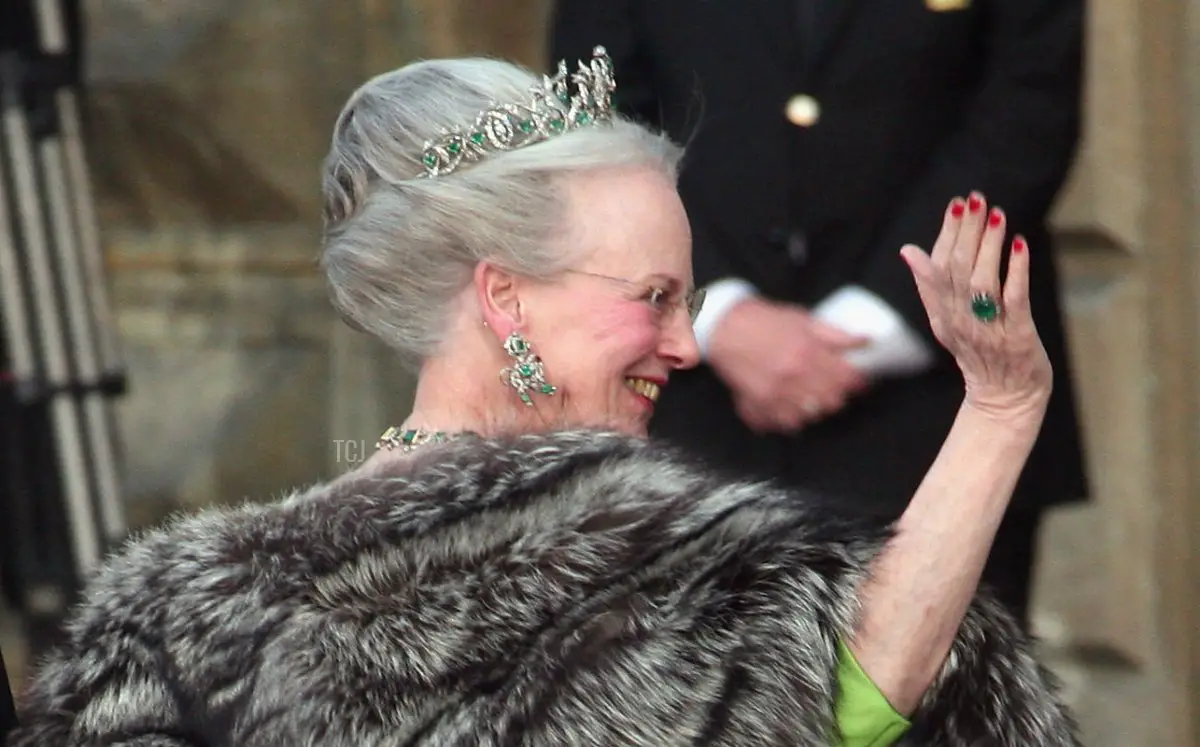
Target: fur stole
{"x": 566, "y": 589}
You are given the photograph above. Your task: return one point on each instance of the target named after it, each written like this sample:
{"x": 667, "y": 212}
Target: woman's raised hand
{"x": 985, "y": 324}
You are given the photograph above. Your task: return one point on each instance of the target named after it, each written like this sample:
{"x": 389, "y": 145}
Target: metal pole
{"x": 55, "y": 373}
{"x": 81, "y": 267}
{"x": 97, "y": 422}
{"x": 54, "y": 42}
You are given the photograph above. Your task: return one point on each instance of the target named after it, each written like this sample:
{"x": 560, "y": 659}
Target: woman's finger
{"x": 925, "y": 273}
{"x": 966, "y": 244}
{"x": 951, "y": 222}
{"x": 932, "y": 284}
{"x": 1016, "y": 285}
{"x": 985, "y": 277}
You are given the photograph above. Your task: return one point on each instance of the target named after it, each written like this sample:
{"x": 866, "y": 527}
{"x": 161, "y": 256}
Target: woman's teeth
{"x": 647, "y": 389}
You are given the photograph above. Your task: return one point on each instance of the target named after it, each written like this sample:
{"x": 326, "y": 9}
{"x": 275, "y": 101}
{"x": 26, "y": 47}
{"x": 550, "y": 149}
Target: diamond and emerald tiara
{"x": 552, "y": 109}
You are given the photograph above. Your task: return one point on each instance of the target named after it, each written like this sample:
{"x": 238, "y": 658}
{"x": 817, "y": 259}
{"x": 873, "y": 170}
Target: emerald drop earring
{"x": 526, "y": 374}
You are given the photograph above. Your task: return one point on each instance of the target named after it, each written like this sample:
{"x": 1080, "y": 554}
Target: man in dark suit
{"x": 822, "y": 136}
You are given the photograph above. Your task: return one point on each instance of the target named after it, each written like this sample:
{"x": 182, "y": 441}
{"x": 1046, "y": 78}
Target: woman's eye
{"x": 656, "y": 297}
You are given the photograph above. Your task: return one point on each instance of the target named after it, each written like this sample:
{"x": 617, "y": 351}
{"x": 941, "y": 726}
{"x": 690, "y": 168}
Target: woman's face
{"x": 611, "y": 331}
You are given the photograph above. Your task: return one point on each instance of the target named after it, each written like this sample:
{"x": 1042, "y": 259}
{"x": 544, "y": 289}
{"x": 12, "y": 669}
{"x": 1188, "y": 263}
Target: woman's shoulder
{"x": 197, "y": 560}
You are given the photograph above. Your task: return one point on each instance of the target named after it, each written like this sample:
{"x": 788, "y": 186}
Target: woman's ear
{"x": 497, "y": 292}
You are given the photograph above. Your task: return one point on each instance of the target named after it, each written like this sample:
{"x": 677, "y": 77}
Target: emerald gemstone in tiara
{"x": 558, "y": 104}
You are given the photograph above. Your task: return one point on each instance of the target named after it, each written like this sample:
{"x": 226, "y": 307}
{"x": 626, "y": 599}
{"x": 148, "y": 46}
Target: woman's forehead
{"x": 632, "y": 221}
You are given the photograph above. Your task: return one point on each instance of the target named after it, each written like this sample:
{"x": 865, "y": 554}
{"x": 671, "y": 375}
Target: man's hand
{"x": 785, "y": 368}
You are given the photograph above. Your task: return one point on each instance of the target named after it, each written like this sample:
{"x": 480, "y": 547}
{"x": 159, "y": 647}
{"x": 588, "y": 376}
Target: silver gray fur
{"x": 571, "y": 589}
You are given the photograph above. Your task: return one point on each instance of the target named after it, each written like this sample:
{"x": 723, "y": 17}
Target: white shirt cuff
{"x": 894, "y": 348}
{"x": 720, "y": 296}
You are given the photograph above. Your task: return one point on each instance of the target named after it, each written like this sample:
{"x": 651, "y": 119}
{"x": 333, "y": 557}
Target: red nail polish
{"x": 994, "y": 218}
{"x": 974, "y": 203}
{"x": 956, "y": 209}
{"x": 1019, "y": 245}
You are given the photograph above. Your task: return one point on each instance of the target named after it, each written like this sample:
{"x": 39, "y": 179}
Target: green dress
{"x": 863, "y": 715}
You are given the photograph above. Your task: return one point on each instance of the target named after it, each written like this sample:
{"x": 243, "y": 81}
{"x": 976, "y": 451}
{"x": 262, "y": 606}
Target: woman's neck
{"x": 447, "y": 401}
{"x": 454, "y": 397}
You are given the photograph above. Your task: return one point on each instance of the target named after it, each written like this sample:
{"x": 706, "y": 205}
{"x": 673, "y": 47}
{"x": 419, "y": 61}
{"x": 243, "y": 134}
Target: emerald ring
{"x": 985, "y": 307}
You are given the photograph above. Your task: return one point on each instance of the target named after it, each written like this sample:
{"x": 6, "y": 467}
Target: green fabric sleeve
{"x": 864, "y": 717}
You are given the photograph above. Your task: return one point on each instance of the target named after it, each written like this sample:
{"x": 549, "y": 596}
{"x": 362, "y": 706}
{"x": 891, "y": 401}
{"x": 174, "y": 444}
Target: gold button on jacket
{"x": 803, "y": 110}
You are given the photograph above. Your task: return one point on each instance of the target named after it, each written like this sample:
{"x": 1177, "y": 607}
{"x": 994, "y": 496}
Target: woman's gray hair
{"x": 398, "y": 248}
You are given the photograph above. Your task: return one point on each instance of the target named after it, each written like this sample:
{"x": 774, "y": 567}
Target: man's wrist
{"x": 720, "y": 298}
{"x": 896, "y": 349}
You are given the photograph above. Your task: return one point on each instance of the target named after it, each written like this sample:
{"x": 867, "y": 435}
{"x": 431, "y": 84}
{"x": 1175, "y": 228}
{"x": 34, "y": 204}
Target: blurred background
{"x": 205, "y": 123}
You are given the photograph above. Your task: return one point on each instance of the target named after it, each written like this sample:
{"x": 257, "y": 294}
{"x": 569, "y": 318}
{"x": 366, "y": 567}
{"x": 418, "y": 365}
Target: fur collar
{"x": 574, "y": 588}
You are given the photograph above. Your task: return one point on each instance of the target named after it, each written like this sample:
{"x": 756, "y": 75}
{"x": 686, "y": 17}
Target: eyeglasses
{"x": 659, "y": 298}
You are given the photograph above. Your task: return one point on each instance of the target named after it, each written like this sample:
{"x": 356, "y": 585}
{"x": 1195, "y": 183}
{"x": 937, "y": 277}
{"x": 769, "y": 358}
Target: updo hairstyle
{"x": 398, "y": 247}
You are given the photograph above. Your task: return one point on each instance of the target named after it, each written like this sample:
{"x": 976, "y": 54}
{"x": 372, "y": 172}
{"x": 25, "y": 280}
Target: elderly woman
{"x": 518, "y": 564}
